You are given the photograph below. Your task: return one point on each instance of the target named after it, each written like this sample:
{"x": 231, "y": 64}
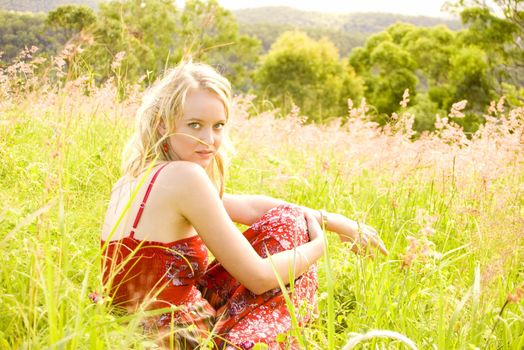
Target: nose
{"x": 207, "y": 136}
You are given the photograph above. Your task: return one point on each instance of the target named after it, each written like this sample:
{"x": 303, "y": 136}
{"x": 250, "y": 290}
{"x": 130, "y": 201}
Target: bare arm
{"x": 198, "y": 201}
{"x": 246, "y": 209}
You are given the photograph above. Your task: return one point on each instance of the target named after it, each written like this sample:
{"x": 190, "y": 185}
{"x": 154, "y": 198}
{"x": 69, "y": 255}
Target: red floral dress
{"x": 207, "y": 300}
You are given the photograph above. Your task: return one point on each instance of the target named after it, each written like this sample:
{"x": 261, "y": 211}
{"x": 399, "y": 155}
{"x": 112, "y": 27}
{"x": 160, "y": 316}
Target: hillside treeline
{"x": 42, "y": 6}
{"x": 135, "y": 41}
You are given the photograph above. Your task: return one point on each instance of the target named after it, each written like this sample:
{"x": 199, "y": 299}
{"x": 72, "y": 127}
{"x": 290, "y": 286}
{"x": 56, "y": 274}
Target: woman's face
{"x": 203, "y": 119}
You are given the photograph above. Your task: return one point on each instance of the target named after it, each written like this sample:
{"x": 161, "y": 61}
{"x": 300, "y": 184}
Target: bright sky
{"x": 407, "y": 7}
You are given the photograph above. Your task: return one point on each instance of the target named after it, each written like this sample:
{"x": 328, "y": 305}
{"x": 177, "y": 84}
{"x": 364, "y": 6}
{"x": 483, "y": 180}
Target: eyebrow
{"x": 196, "y": 119}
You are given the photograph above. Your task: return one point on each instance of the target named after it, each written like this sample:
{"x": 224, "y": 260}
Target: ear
{"x": 162, "y": 128}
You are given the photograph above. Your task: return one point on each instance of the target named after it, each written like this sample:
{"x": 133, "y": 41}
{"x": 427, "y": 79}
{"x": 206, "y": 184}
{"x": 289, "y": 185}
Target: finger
{"x": 355, "y": 248}
{"x": 370, "y": 230}
{"x": 310, "y": 219}
{"x": 381, "y": 246}
{"x": 377, "y": 242}
{"x": 383, "y": 249}
{"x": 362, "y": 248}
{"x": 362, "y": 241}
{"x": 367, "y": 251}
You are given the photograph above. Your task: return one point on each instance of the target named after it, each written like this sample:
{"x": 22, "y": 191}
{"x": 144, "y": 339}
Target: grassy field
{"x": 449, "y": 208}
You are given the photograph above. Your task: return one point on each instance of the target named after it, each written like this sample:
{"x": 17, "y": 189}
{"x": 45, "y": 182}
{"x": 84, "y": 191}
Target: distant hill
{"x": 274, "y": 15}
{"x": 345, "y": 30}
{"x": 267, "y": 33}
{"x": 42, "y": 5}
{"x": 348, "y": 22}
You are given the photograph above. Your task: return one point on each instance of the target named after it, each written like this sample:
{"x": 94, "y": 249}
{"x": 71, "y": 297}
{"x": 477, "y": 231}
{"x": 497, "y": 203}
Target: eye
{"x": 219, "y": 126}
{"x": 194, "y": 125}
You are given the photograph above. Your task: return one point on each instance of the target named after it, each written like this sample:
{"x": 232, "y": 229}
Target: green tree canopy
{"x": 145, "y": 30}
{"x": 155, "y": 34}
{"x": 210, "y": 34}
{"x": 497, "y": 28}
{"x": 72, "y": 18}
{"x": 20, "y": 30}
{"x": 302, "y": 71}
{"x": 387, "y": 68}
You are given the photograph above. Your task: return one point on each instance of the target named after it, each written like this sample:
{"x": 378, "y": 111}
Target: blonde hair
{"x": 162, "y": 105}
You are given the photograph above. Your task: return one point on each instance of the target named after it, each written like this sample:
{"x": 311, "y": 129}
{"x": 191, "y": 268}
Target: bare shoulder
{"x": 183, "y": 171}
{"x": 181, "y": 178}
{"x": 118, "y": 185}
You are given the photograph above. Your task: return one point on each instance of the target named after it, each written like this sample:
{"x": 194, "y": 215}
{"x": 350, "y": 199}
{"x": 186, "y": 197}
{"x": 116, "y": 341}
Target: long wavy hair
{"x": 163, "y": 104}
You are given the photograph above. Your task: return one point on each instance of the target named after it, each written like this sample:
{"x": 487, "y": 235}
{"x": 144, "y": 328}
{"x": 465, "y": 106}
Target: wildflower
{"x": 59, "y": 62}
{"x": 405, "y": 99}
{"x": 519, "y": 294}
{"x": 350, "y": 102}
{"x": 428, "y": 251}
{"x": 394, "y": 203}
{"x": 411, "y": 252}
{"x": 500, "y": 104}
{"x": 359, "y": 112}
{"x": 325, "y": 165}
{"x": 295, "y": 110}
{"x": 492, "y": 109}
{"x": 118, "y": 60}
{"x": 428, "y": 230}
{"x": 456, "y": 109}
{"x": 420, "y": 249}
{"x": 424, "y": 219}
{"x": 96, "y": 298}
{"x": 440, "y": 123}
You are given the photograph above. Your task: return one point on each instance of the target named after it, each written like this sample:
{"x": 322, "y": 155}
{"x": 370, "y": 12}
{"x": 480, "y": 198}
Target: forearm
{"x": 247, "y": 209}
{"x": 290, "y": 264}
{"x": 362, "y": 237}
{"x": 335, "y": 222}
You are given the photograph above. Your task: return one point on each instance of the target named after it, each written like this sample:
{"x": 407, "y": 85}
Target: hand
{"x": 313, "y": 227}
{"x": 363, "y": 239}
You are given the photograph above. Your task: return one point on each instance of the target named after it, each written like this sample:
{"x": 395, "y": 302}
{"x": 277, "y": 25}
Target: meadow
{"x": 449, "y": 207}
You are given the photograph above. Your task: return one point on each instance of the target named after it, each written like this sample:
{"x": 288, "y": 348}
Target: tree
{"x": 20, "y": 30}
{"x": 210, "y": 34}
{"x": 499, "y": 30}
{"x": 431, "y": 48}
{"x": 299, "y": 70}
{"x": 387, "y": 68}
{"x": 471, "y": 81}
{"x": 71, "y": 18}
{"x": 144, "y": 29}
{"x": 441, "y": 65}
{"x": 155, "y": 34}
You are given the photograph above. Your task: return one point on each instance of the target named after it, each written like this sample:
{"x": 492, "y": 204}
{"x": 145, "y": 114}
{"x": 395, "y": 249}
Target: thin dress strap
{"x": 144, "y": 200}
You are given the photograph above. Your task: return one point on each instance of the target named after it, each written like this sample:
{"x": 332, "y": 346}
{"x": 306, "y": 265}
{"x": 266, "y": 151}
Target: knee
{"x": 286, "y": 223}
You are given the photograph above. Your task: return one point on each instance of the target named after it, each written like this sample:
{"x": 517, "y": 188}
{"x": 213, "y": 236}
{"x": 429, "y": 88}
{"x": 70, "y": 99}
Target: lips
{"x": 205, "y": 154}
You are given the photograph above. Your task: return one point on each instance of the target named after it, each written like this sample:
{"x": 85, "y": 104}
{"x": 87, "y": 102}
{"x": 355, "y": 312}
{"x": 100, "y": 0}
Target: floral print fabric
{"x": 156, "y": 275}
{"x": 244, "y": 318}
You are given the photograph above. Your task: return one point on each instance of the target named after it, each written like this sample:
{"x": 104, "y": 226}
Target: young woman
{"x": 174, "y": 212}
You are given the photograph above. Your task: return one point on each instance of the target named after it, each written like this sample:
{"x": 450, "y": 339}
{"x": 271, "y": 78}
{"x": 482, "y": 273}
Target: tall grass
{"x": 449, "y": 208}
